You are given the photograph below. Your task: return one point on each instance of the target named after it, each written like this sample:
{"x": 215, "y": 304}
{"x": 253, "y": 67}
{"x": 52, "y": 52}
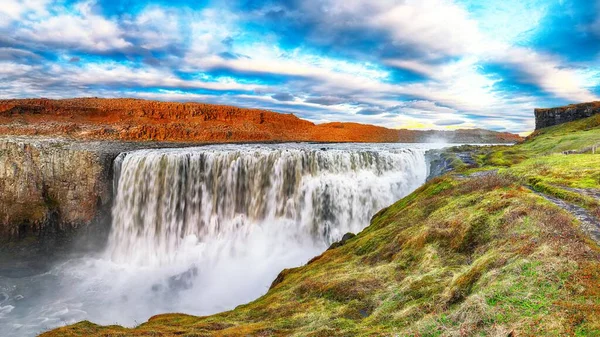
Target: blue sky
{"x": 430, "y": 64}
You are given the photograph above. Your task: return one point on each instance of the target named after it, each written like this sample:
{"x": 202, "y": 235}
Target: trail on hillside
{"x": 590, "y": 225}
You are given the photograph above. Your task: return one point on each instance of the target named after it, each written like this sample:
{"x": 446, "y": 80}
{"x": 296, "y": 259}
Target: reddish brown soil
{"x": 141, "y": 120}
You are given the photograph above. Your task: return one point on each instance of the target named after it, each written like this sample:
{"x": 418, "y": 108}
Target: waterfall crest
{"x": 166, "y": 200}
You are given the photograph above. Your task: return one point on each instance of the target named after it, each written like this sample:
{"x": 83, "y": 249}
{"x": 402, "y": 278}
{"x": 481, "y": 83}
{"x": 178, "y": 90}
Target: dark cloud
{"x": 325, "y": 100}
{"x": 15, "y": 54}
{"x": 232, "y": 56}
{"x": 370, "y": 111}
{"x": 228, "y": 41}
{"x": 284, "y": 97}
{"x": 448, "y": 122}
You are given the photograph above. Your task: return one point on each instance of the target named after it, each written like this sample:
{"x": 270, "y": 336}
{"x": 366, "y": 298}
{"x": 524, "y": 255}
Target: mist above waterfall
{"x": 201, "y": 230}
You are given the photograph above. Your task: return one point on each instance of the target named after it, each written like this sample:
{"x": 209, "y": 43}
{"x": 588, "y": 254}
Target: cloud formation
{"x": 414, "y": 63}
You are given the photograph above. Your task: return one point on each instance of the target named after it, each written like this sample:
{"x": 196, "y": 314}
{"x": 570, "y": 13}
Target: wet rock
{"x": 50, "y": 187}
{"x": 347, "y": 237}
{"x": 53, "y": 190}
{"x": 342, "y": 242}
{"x": 280, "y": 277}
{"x": 184, "y": 280}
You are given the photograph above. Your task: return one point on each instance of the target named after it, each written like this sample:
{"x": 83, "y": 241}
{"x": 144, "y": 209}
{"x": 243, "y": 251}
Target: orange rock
{"x": 142, "y": 120}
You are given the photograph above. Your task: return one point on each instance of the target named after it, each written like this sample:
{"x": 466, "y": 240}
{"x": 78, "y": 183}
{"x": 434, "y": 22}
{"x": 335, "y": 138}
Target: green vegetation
{"x": 467, "y": 254}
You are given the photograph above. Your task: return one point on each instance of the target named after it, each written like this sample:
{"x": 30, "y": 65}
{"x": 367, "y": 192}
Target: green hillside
{"x": 506, "y": 248}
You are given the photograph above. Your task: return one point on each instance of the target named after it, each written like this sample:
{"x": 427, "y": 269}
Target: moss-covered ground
{"x": 464, "y": 255}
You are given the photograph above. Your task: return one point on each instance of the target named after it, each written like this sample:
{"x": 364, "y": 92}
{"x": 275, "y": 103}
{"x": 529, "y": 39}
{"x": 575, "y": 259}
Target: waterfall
{"x": 202, "y": 230}
{"x": 171, "y": 202}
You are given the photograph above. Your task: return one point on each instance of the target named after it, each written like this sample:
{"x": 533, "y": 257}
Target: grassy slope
{"x": 461, "y": 256}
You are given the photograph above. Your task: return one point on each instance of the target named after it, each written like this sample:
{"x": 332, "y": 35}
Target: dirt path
{"x": 590, "y": 225}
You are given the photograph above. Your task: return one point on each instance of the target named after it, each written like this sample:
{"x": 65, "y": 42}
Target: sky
{"x": 420, "y": 64}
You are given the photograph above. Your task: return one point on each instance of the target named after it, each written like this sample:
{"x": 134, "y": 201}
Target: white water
{"x": 202, "y": 230}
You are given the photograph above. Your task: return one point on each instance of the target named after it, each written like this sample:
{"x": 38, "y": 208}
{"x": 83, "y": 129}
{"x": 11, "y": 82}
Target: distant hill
{"x": 142, "y": 120}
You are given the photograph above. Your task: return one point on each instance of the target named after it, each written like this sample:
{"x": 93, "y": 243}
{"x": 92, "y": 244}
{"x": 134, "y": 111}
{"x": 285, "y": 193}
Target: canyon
{"x": 497, "y": 246}
{"x": 196, "y": 229}
{"x": 56, "y": 155}
{"x": 160, "y": 222}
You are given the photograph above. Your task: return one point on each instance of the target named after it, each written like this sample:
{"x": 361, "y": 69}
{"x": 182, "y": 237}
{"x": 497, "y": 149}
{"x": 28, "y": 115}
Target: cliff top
{"x": 595, "y": 104}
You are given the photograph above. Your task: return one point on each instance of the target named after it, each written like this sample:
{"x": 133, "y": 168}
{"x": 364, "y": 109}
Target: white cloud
{"x": 79, "y": 29}
{"x": 438, "y": 27}
{"x": 548, "y": 73}
{"x": 16, "y": 10}
{"x": 155, "y": 27}
{"x": 442, "y": 28}
{"x": 209, "y": 29}
{"x": 8, "y": 70}
{"x": 445, "y": 44}
{"x": 117, "y": 73}
{"x": 171, "y": 95}
{"x": 459, "y": 85}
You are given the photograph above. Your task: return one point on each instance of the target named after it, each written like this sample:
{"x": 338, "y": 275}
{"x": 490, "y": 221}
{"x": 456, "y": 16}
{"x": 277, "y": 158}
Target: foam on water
{"x": 201, "y": 230}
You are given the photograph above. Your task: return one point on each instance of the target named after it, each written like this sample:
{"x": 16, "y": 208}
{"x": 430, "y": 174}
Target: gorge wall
{"x": 51, "y": 187}
{"x": 554, "y": 116}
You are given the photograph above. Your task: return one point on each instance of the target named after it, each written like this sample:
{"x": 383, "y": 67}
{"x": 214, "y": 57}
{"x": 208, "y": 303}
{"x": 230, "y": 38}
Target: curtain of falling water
{"x": 165, "y": 198}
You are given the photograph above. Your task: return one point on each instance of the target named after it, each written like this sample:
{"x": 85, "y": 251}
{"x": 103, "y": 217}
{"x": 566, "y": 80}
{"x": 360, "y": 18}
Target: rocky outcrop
{"x": 49, "y": 188}
{"x": 53, "y": 189}
{"x": 554, "y": 116}
{"x": 141, "y": 120}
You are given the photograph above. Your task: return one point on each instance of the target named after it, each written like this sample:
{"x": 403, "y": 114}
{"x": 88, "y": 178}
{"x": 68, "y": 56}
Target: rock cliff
{"x": 48, "y": 188}
{"x": 141, "y": 120}
{"x": 52, "y": 189}
{"x": 554, "y": 116}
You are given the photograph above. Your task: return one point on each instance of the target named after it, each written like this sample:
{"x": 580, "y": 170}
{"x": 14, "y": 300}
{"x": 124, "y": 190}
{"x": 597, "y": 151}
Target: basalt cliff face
{"x": 141, "y": 120}
{"x": 554, "y": 116}
{"x": 54, "y": 188}
{"x": 49, "y": 188}
{"x": 53, "y": 193}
